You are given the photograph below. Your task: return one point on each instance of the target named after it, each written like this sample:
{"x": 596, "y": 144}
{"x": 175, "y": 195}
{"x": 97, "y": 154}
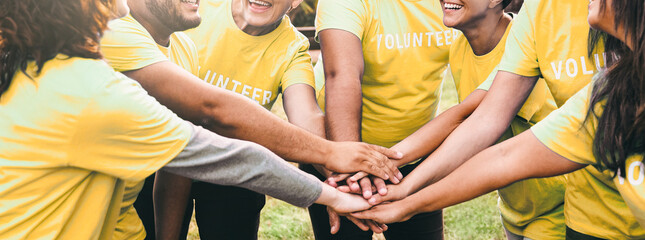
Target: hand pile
{"x": 380, "y": 195}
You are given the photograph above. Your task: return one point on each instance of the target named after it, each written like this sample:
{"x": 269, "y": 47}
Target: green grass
{"x": 475, "y": 219}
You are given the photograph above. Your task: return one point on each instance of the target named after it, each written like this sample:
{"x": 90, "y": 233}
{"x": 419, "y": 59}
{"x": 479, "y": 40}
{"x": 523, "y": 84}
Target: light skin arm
{"x": 235, "y": 116}
{"x": 426, "y": 139}
{"x": 479, "y": 131}
{"x": 516, "y": 159}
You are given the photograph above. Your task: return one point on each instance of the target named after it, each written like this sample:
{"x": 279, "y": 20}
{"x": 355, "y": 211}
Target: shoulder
{"x": 126, "y": 30}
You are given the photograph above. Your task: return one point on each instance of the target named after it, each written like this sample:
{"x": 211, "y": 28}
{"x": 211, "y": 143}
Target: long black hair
{"x": 620, "y": 132}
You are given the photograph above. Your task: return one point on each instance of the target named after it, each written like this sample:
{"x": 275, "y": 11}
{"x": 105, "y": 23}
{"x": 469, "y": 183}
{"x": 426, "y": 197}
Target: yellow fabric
{"x": 631, "y": 187}
{"x": 593, "y": 205}
{"x": 67, "y": 137}
{"x": 258, "y": 67}
{"x": 534, "y": 204}
{"x": 548, "y": 39}
{"x": 405, "y": 47}
{"x": 128, "y": 46}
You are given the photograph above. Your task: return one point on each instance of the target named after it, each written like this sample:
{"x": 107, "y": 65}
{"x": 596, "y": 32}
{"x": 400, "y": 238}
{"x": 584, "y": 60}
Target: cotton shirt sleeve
{"x": 300, "y": 70}
{"x": 126, "y": 133}
{"x": 348, "y": 15}
{"x": 212, "y": 158}
{"x": 565, "y": 131}
{"x": 520, "y": 56}
{"x": 128, "y": 46}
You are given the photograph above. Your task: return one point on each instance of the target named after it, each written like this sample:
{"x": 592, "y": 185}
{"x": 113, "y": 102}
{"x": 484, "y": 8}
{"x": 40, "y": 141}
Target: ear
{"x": 494, "y": 3}
{"x": 295, "y": 3}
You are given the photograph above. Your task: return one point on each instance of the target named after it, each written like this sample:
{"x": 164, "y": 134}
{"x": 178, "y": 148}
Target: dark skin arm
{"x": 344, "y": 66}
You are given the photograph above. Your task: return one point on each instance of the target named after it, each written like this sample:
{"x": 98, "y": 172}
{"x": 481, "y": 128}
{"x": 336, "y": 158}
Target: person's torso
{"x": 253, "y": 66}
{"x": 42, "y": 196}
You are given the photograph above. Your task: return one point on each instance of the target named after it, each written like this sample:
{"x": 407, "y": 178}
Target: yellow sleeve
{"x": 348, "y": 15}
{"x": 489, "y": 80}
{"x": 520, "y": 56}
{"x": 128, "y": 46}
{"x": 565, "y": 131}
{"x": 126, "y": 133}
{"x": 300, "y": 69}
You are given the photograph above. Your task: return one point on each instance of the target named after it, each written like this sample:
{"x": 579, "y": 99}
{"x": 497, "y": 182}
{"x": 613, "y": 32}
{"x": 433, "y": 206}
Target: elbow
{"x": 211, "y": 116}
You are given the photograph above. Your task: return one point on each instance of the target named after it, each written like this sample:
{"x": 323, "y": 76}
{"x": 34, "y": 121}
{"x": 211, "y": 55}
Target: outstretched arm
{"x": 479, "y": 131}
{"x": 233, "y": 115}
{"x": 516, "y": 159}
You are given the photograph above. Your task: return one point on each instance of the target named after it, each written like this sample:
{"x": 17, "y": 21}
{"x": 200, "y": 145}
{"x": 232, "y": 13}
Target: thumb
{"x": 334, "y": 221}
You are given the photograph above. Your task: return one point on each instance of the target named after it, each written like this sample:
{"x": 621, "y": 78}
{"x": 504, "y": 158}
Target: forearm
{"x": 431, "y": 135}
{"x": 219, "y": 160}
{"x": 343, "y": 64}
{"x": 171, "y": 195}
{"x": 228, "y": 113}
{"x": 480, "y": 130}
{"x": 519, "y": 158}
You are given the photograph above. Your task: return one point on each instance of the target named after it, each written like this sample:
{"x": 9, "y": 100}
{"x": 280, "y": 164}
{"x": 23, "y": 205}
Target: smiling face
{"x": 264, "y": 13}
{"x": 178, "y": 15}
{"x": 463, "y": 13}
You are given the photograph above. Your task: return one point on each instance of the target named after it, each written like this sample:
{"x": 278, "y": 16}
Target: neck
{"x": 237, "y": 10}
{"x": 159, "y": 31}
{"x": 485, "y": 33}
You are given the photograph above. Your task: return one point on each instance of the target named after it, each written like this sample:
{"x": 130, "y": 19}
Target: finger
{"x": 390, "y": 164}
{"x": 359, "y": 223}
{"x": 383, "y": 226}
{"x": 366, "y": 187}
{"x": 380, "y": 186}
{"x": 337, "y": 177}
{"x": 375, "y": 227}
{"x": 382, "y": 163}
{"x": 358, "y": 176}
{"x": 388, "y": 152}
{"x": 354, "y": 186}
{"x": 334, "y": 221}
{"x": 376, "y": 199}
{"x": 344, "y": 189}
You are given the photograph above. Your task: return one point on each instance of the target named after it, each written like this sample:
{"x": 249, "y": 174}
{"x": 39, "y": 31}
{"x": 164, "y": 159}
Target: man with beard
{"x": 146, "y": 46}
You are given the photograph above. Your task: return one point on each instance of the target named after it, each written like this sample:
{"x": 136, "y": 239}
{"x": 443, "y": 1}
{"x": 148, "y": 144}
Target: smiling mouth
{"x": 452, "y": 6}
{"x": 189, "y": 1}
{"x": 260, "y": 3}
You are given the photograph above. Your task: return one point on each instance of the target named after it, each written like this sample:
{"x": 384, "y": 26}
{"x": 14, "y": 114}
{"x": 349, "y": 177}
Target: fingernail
{"x": 399, "y": 154}
{"x": 399, "y": 175}
{"x": 387, "y": 176}
{"x": 382, "y": 191}
{"x": 372, "y": 201}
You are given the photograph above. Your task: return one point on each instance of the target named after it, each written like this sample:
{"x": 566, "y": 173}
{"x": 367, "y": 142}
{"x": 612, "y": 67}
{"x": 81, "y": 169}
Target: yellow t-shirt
{"x": 532, "y": 208}
{"x": 631, "y": 187}
{"x": 593, "y": 205}
{"x": 548, "y": 39}
{"x": 258, "y": 67}
{"x": 405, "y": 51}
{"x": 68, "y": 136}
{"x": 128, "y": 46}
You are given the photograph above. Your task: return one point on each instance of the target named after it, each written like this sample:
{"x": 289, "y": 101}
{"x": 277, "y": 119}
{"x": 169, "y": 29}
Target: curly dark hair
{"x": 38, "y": 30}
{"x": 621, "y": 89}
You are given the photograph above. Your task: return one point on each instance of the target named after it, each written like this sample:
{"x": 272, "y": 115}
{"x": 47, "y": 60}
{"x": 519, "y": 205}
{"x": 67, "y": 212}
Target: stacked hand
{"x": 381, "y": 196}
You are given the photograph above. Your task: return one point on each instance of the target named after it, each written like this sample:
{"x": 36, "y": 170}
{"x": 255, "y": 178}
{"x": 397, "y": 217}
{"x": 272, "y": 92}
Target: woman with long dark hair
{"x": 603, "y": 125}
{"x": 72, "y": 131}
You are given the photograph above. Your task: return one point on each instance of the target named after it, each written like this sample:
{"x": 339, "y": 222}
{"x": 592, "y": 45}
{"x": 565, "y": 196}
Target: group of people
{"x": 119, "y": 117}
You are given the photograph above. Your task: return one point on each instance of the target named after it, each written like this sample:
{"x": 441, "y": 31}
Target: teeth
{"x": 190, "y": 1}
{"x": 452, "y": 6}
{"x": 261, "y": 3}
